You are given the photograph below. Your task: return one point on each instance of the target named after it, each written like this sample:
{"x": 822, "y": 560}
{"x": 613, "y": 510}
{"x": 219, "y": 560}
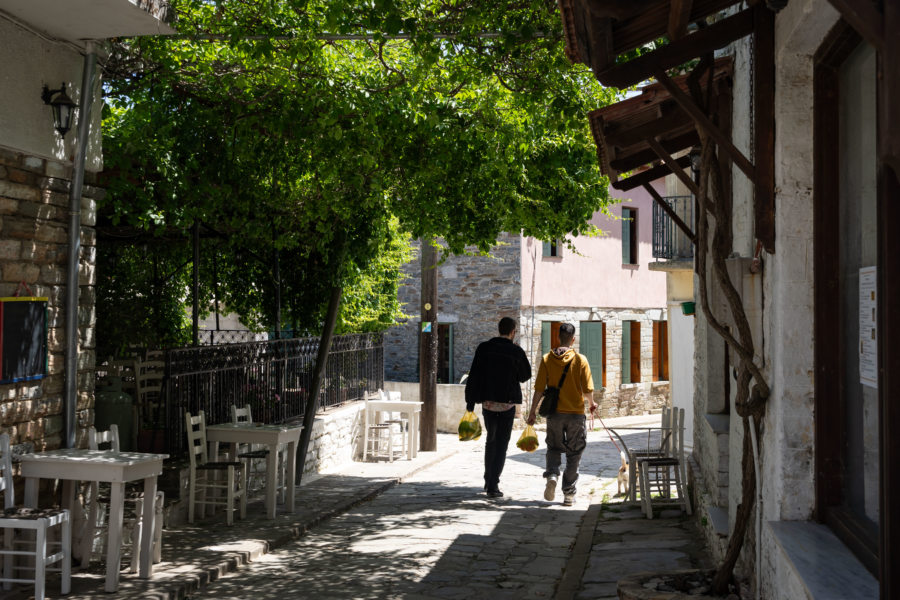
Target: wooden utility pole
{"x": 428, "y": 347}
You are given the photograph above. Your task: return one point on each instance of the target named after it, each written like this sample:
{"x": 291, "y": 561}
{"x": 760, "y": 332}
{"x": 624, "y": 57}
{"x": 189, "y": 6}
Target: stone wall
{"x": 616, "y": 399}
{"x": 336, "y": 438}
{"x": 474, "y": 292}
{"x": 34, "y": 199}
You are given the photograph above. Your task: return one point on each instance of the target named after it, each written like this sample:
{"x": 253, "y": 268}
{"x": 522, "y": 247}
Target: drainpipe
{"x": 85, "y": 102}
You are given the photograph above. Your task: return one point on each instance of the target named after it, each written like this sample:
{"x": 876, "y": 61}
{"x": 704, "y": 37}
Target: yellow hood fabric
{"x": 578, "y": 379}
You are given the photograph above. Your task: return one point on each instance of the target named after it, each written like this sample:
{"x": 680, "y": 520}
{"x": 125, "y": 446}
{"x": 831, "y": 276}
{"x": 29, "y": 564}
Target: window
{"x": 553, "y": 248}
{"x": 592, "y": 343}
{"x": 848, "y": 416}
{"x": 631, "y": 352}
{"x": 629, "y": 236}
{"x": 660, "y": 351}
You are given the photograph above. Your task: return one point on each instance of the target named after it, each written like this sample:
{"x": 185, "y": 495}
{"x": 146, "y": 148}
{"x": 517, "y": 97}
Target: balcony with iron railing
{"x": 670, "y": 243}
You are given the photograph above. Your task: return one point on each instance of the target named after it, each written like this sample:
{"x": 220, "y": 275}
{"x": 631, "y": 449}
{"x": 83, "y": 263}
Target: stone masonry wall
{"x": 34, "y": 199}
{"x": 474, "y": 292}
{"x": 616, "y": 399}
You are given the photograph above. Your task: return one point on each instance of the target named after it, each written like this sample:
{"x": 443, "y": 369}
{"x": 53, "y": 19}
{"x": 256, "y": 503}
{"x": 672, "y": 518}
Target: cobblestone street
{"x": 437, "y": 536}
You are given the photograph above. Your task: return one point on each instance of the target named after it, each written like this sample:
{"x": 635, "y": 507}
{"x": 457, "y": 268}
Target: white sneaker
{"x": 569, "y": 500}
{"x": 550, "y": 490}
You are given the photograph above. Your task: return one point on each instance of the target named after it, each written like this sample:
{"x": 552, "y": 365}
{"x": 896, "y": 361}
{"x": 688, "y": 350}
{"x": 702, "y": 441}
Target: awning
{"x": 627, "y": 132}
{"x": 75, "y": 20}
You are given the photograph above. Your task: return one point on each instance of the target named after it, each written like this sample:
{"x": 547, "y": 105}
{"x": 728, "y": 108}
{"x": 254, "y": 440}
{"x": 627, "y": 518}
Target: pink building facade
{"x": 604, "y": 287}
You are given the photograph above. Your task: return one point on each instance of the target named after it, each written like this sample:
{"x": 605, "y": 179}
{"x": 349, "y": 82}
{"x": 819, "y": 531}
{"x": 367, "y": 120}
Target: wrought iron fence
{"x": 212, "y": 337}
{"x": 274, "y": 377}
{"x": 669, "y": 241}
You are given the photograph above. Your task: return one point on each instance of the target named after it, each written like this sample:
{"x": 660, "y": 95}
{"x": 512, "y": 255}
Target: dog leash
{"x": 605, "y": 428}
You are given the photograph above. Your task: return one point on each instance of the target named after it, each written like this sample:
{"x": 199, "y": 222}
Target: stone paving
{"x": 424, "y": 529}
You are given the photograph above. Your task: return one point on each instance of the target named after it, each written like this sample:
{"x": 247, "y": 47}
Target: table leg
{"x": 31, "y": 492}
{"x": 271, "y": 479}
{"x": 290, "y": 476}
{"x": 410, "y": 443}
{"x": 147, "y": 528}
{"x": 114, "y": 539}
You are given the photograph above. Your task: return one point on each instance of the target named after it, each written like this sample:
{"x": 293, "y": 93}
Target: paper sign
{"x": 868, "y": 327}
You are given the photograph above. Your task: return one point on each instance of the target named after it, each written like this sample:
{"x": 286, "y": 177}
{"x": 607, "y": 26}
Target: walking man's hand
{"x": 530, "y": 418}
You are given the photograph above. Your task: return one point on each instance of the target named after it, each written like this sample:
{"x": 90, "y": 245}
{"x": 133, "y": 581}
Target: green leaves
{"x": 286, "y": 141}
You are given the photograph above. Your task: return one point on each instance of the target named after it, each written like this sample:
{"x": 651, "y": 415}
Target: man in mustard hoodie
{"x": 565, "y": 427}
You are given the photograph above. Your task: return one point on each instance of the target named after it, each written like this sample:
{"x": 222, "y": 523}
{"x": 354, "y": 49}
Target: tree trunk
{"x": 312, "y": 400}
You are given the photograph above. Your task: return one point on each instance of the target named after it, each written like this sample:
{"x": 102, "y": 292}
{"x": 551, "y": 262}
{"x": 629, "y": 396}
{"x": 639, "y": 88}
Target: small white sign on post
{"x": 868, "y": 326}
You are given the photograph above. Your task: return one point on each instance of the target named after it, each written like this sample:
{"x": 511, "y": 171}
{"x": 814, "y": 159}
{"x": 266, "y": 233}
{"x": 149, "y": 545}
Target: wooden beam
{"x": 680, "y": 51}
{"x": 889, "y": 119}
{"x": 764, "y": 128}
{"x": 679, "y": 16}
{"x": 708, "y": 126}
{"x": 865, "y": 18}
{"x": 649, "y": 175}
{"x": 630, "y": 162}
{"x": 675, "y": 119}
{"x": 672, "y": 214}
{"x": 673, "y": 166}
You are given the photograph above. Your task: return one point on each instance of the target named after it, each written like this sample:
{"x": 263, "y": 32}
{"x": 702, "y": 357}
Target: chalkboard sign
{"x": 23, "y": 339}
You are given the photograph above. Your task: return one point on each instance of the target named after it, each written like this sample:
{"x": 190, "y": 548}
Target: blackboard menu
{"x": 23, "y": 339}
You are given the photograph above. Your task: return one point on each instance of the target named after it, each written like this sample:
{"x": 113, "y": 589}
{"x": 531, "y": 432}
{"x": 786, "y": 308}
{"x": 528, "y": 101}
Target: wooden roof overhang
{"x": 599, "y": 32}
{"x": 627, "y": 132}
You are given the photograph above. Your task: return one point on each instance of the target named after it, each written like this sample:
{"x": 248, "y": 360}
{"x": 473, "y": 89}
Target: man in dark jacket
{"x": 497, "y": 368}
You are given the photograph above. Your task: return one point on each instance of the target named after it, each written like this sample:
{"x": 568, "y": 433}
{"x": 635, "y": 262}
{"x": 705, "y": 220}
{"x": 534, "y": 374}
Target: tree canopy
{"x": 319, "y": 135}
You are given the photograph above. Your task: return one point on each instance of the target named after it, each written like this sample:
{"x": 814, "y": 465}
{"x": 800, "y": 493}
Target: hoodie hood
{"x": 562, "y": 355}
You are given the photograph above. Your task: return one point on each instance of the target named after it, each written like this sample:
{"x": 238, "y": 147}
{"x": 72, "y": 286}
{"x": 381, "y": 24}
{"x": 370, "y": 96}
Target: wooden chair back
{"x": 196, "y": 435}
{"x": 110, "y": 436}
{"x": 6, "y": 481}
{"x": 241, "y": 415}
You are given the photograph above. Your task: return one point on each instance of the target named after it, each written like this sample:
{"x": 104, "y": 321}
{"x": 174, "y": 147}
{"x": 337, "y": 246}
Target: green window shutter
{"x": 546, "y": 251}
{"x": 592, "y": 347}
{"x": 626, "y": 351}
{"x": 626, "y": 236}
{"x": 545, "y": 337}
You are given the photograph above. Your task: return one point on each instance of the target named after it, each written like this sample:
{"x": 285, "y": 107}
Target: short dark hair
{"x": 506, "y": 326}
{"x": 566, "y": 334}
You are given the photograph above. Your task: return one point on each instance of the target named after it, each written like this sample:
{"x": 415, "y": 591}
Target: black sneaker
{"x": 494, "y": 494}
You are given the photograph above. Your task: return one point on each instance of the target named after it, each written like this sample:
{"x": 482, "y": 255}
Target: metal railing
{"x": 212, "y": 337}
{"x": 274, "y": 377}
{"x": 669, "y": 241}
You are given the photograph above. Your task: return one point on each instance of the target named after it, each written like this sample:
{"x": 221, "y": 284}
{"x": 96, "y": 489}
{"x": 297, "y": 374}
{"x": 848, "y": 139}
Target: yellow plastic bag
{"x": 528, "y": 441}
{"x": 469, "y": 427}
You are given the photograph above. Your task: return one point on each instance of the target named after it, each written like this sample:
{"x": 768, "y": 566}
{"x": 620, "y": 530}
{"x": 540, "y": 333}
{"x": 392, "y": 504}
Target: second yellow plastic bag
{"x": 528, "y": 441}
{"x": 469, "y": 427}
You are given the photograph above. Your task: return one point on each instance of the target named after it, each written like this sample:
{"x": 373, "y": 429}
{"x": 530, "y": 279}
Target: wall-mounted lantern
{"x": 63, "y": 107}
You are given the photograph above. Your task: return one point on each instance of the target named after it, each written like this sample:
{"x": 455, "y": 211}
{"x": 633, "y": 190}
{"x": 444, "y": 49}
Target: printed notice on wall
{"x": 868, "y": 329}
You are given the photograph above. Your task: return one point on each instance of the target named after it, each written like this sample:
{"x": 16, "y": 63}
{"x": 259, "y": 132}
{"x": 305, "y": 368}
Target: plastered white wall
{"x": 26, "y": 123}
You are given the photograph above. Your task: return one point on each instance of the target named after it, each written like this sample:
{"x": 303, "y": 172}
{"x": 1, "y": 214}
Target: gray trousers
{"x": 565, "y": 433}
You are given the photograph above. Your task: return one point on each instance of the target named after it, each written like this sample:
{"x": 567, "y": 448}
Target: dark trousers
{"x": 499, "y": 428}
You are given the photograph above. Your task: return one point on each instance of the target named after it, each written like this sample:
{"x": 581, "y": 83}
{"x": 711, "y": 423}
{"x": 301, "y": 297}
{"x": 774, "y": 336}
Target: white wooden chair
{"x": 378, "y": 435}
{"x": 252, "y": 456}
{"x": 203, "y": 472}
{"x": 97, "y": 521}
{"x": 40, "y": 521}
{"x": 635, "y": 455}
{"x": 148, "y": 400}
{"x": 657, "y": 473}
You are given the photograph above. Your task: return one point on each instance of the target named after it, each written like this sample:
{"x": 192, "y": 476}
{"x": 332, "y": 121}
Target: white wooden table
{"x": 271, "y": 436}
{"x": 116, "y": 468}
{"x": 411, "y": 409}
